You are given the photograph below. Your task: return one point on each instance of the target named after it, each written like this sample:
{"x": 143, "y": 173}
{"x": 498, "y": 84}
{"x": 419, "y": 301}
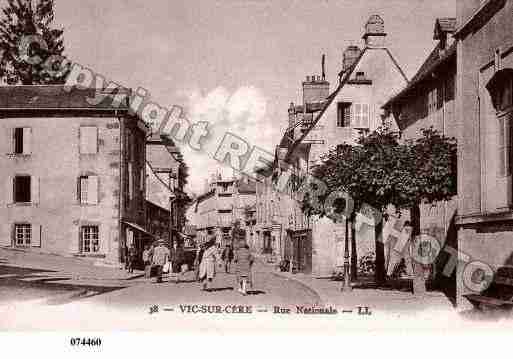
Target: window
{"x": 130, "y": 182}
{"x": 360, "y": 75}
{"x": 22, "y": 186}
{"x": 22, "y": 234}
{"x": 88, "y": 189}
{"x": 89, "y": 241}
{"x": 88, "y": 139}
{"x": 142, "y": 179}
{"x": 432, "y": 101}
{"x": 22, "y": 140}
{"x": 504, "y": 146}
{"x": 500, "y": 88}
{"x": 504, "y": 96}
{"x": 360, "y": 115}
{"x": 343, "y": 114}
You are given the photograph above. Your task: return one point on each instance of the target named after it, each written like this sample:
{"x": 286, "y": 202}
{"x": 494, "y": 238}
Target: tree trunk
{"x": 419, "y": 282}
{"x": 380, "y": 254}
{"x": 354, "y": 254}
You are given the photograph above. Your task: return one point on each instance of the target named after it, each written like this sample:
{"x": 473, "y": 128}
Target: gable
{"x": 381, "y": 78}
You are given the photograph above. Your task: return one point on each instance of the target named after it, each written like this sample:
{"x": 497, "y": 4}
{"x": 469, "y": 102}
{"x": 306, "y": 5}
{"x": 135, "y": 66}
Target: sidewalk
{"x": 33, "y": 266}
{"x": 394, "y": 300}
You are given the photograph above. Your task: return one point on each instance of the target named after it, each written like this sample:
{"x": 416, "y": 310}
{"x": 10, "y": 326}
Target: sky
{"x": 237, "y": 62}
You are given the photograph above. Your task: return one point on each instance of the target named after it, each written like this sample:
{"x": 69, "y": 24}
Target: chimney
{"x": 315, "y": 89}
{"x": 349, "y": 56}
{"x": 375, "y": 32}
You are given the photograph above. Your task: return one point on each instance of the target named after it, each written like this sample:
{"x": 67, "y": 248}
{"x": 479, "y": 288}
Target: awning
{"x": 138, "y": 227}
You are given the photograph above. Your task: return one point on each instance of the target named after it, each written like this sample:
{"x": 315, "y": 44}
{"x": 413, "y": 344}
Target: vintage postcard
{"x": 266, "y": 166}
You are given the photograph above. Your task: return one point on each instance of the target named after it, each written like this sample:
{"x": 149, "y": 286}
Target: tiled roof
{"x": 36, "y": 97}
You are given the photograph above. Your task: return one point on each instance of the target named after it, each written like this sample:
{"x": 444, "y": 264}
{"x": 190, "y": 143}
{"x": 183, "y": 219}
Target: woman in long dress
{"x": 208, "y": 264}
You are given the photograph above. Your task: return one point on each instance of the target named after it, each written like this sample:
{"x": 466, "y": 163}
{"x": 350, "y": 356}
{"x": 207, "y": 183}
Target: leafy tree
{"x": 21, "y": 19}
{"x": 382, "y": 170}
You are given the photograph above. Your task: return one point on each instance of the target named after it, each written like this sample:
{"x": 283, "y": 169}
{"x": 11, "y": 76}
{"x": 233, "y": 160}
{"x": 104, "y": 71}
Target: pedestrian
{"x": 238, "y": 235}
{"x": 197, "y": 261}
{"x": 132, "y": 258}
{"x": 126, "y": 257}
{"x": 160, "y": 258}
{"x": 177, "y": 260}
{"x": 227, "y": 257}
{"x": 244, "y": 262}
{"x": 146, "y": 257}
{"x": 208, "y": 263}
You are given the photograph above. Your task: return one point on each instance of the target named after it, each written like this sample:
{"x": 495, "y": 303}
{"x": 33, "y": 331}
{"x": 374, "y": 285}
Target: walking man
{"x": 227, "y": 257}
{"x": 132, "y": 258}
{"x": 160, "y": 257}
{"x": 177, "y": 260}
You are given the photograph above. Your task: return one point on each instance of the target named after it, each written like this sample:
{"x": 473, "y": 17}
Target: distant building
{"x": 226, "y": 201}
{"x": 73, "y": 172}
{"x": 166, "y": 184}
{"x": 157, "y": 220}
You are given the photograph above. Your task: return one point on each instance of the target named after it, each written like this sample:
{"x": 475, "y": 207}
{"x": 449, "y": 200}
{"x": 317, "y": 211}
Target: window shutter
{"x": 92, "y": 190}
{"x": 365, "y": 115}
{"x": 34, "y": 189}
{"x": 36, "y": 236}
{"x": 27, "y": 140}
{"x": 356, "y": 115}
{"x": 10, "y": 140}
{"x": 9, "y": 190}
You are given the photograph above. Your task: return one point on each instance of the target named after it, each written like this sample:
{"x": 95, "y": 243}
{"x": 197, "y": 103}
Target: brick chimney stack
{"x": 375, "y": 32}
{"x": 315, "y": 89}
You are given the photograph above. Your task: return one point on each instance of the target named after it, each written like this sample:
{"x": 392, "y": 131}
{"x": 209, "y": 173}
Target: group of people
{"x": 158, "y": 259}
{"x": 161, "y": 259}
{"x": 208, "y": 255}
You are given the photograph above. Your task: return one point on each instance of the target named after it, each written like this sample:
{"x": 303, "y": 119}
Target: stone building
{"x": 73, "y": 172}
{"x": 166, "y": 181}
{"x": 367, "y": 78}
{"x": 224, "y": 202}
{"x": 429, "y": 100}
{"x": 484, "y": 110}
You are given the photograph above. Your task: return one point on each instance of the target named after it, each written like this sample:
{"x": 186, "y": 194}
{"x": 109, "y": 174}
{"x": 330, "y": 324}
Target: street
{"x": 269, "y": 289}
{"x": 32, "y": 276}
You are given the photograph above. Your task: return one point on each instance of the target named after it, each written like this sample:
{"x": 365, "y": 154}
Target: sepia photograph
{"x": 244, "y": 166}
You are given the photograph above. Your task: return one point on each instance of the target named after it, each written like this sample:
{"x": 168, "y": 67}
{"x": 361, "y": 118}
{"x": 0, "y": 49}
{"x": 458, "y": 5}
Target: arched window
{"x": 500, "y": 88}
